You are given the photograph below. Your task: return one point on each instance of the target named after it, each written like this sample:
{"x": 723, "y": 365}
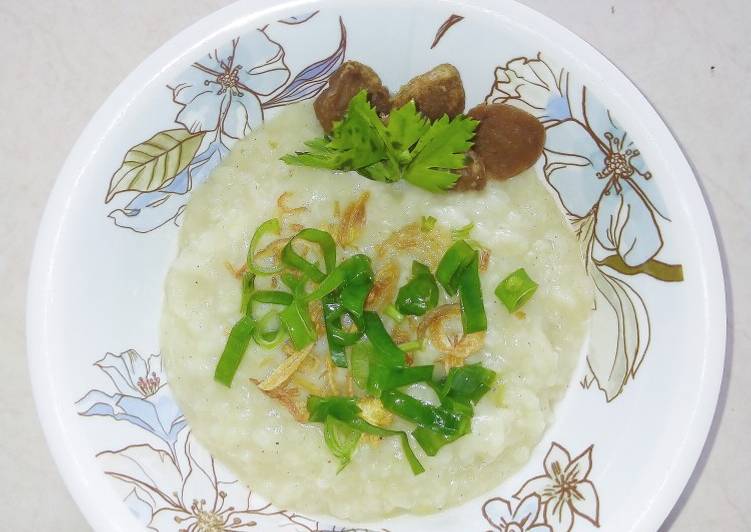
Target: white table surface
{"x": 692, "y": 59}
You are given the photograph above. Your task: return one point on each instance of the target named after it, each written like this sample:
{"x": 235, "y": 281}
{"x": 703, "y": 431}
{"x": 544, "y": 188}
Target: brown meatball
{"x": 472, "y": 176}
{"x": 507, "y": 140}
{"x": 437, "y": 92}
{"x": 349, "y": 79}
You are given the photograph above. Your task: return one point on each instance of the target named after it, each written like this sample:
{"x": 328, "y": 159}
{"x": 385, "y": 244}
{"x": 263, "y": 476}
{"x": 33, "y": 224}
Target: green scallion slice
{"x": 515, "y": 290}
{"x": 392, "y": 312}
{"x": 420, "y": 294}
{"x": 297, "y": 322}
{"x": 452, "y": 265}
{"x": 462, "y": 233}
{"x": 414, "y": 345}
{"x": 341, "y": 439}
{"x": 267, "y": 337}
{"x": 345, "y": 409}
{"x": 248, "y": 282}
{"x": 436, "y": 418}
{"x": 431, "y": 441}
{"x": 470, "y": 293}
{"x": 269, "y": 226}
{"x": 386, "y": 350}
{"x": 328, "y": 250}
{"x": 383, "y": 378}
{"x": 467, "y": 383}
{"x": 427, "y": 223}
{"x": 234, "y": 350}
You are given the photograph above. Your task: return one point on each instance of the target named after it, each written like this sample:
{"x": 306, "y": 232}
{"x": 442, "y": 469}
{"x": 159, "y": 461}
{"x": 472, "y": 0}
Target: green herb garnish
{"x": 341, "y": 439}
{"x": 234, "y": 350}
{"x": 408, "y": 147}
{"x": 297, "y": 322}
{"x": 470, "y": 298}
{"x": 467, "y": 383}
{"x": 324, "y": 240}
{"x": 420, "y": 294}
{"x": 358, "y": 338}
{"x": 265, "y": 336}
{"x": 435, "y": 418}
{"x": 346, "y": 411}
{"x": 452, "y": 265}
{"x": 269, "y": 226}
{"x": 462, "y": 233}
{"x": 388, "y": 352}
{"x": 515, "y": 290}
{"x": 427, "y": 223}
{"x": 392, "y": 312}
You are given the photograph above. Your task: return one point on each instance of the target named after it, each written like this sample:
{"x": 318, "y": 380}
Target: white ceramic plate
{"x": 634, "y": 420}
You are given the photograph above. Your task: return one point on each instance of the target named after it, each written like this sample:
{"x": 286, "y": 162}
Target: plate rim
{"x": 185, "y": 43}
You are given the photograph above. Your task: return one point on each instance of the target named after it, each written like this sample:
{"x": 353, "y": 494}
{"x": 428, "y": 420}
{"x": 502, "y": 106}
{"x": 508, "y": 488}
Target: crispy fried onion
{"x": 289, "y": 397}
{"x": 454, "y": 346}
{"x": 385, "y": 286}
{"x": 484, "y": 259}
{"x": 426, "y": 247}
{"x": 352, "y": 221}
{"x": 373, "y": 412}
{"x": 316, "y": 316}
{"x": 284, "y": 371}
{"x": 273, "y": 249}
{"x": 236, "y": 272}
{"x": 330, "y": 374}
{"x": 286, "y": 210}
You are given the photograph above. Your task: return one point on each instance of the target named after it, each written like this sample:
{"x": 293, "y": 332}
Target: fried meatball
{"x": 472, "y": 176}
{"x": 349, "y": 79}
{"x": 507, "y": 140}
{"x": 437, "y": 92}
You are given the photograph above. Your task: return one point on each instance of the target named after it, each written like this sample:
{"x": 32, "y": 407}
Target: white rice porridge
{"x": 534, "y": 353}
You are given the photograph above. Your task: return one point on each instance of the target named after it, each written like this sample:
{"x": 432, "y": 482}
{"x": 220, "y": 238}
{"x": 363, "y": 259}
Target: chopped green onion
{"x": 328, "y": 249}
{"x": 431, "y": 441}
{"x": 342, "y": 408}
{"x": 355, "y": 271}
{"x": 344, "y": 338}
{"x": 248, "y": 287}
{"x": 357, "y": 284}
{"x": 436, "y": 418}
{"x": 345, "y": 409}
{"x": 427, "y": 223}
{"x": 359, "y": 363}
{"x": 269, "y": 226}
{"x": 341, "y": 439}
{"x": 291, "y": 280}
{"x": 462, "y": 233}
{"x": 467, "y": 383}
{"x": 234, "y": 350}
{"x": 353, "y": 279}
{"x": 412, "y": 460}
{"x": 420, "y": 294}
{"x": 470, "y": 293}
{"x": 297, "y": 322}
{"x": 272, "y": 297}
{"x": 515, "y": 290}
{"x": 336, "y": 336}
{"x": 265, "y": 337}
{"x": 383, "y": 378}
{"x": 414, "y": 345}
{"x": 333, "y": 323}
{"x": 392, "y": 312}
{"x": 452, "y": 265}
{"x": 388, "y": 352}
{"x": 409, "y": 454}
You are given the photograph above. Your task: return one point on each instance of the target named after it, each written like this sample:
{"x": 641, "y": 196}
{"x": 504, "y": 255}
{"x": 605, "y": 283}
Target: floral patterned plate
{"x": 629, "y": 430}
